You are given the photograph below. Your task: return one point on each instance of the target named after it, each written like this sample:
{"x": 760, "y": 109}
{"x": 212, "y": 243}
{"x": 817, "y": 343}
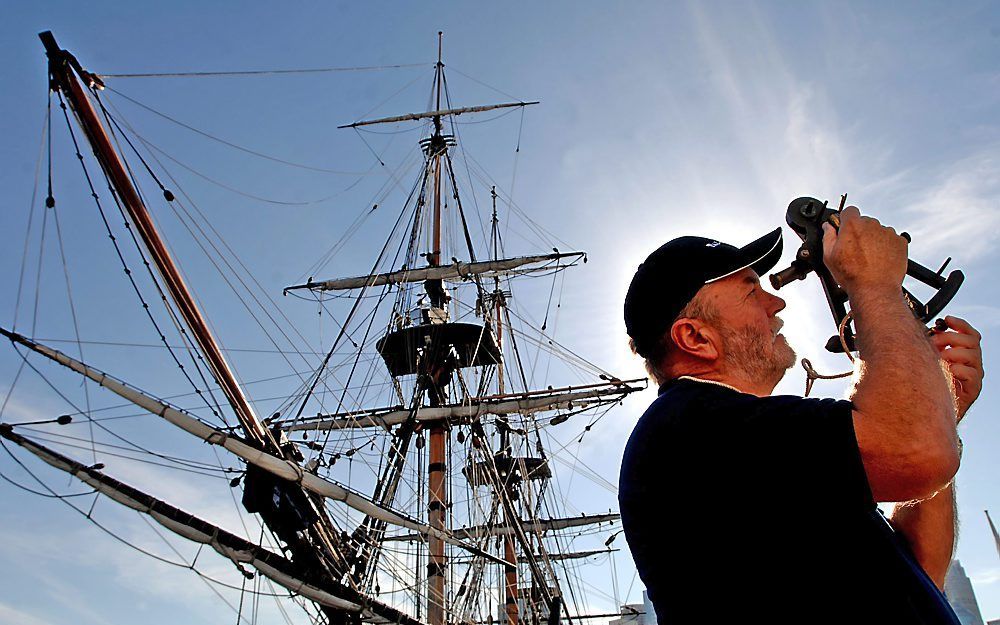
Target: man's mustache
{"x": 777, "y": 328}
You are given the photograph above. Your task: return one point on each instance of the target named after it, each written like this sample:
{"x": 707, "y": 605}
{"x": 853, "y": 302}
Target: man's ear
{"x": 696, "y": 339}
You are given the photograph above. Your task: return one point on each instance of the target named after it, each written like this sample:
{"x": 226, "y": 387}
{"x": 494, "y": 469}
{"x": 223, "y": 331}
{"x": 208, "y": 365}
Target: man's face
{"x": 746, "y": 317}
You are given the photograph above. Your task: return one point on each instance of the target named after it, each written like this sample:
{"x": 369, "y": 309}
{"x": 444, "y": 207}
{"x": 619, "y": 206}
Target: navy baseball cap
{"x": 670, "y": 277}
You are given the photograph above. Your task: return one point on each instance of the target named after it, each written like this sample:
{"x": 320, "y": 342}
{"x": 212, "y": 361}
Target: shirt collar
{"x": 666, "y": 385}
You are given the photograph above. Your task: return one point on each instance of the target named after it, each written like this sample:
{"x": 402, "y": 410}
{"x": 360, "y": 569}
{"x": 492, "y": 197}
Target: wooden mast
{"x": 436, "y": 461}
{"x": 315, "y": 551}
{"x": 510, "y": 570}
{"x": 435, "y": 374}
{"x": 61, "y": 66}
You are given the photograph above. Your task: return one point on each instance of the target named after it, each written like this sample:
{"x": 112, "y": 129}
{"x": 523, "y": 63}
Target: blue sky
{"x": 657, "y": 119}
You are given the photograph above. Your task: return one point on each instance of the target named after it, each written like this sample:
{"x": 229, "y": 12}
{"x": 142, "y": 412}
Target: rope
{"x": 234, "y": 145}
{"x": 812, "y": 375}
{"x": 189, "y": 221}
{"x": 128, "y": 272}
{"x": 476, "y": 80}
{"x": 264, "y": 72}
{"x": 89, "y": 517}
{"x": 46, "y": 126}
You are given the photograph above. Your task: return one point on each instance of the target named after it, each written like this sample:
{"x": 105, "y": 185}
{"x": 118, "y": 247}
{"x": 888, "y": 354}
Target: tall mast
{"x": 314, "y": 545}
{"x": 436, "y": 347}
{"x": 498, "y": 303}
{"x": 510, "y": 570}
{"x": 436, "y": 469}
{"x": 61, "y": 74}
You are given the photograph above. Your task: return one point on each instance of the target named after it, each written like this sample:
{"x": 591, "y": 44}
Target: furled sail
{"x": 231, "y": 546}
{"x": 572, "y": 555}
{"x": 533, "y": 527}
{"x": 439, "y": 113}
{"x": 285, "y": 469}
{"x": 526, "y": 403}
{"x": 458, "y": 269}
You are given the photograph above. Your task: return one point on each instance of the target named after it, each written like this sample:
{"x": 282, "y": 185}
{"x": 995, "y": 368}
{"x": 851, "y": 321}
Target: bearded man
{"x": 742, "y": 506}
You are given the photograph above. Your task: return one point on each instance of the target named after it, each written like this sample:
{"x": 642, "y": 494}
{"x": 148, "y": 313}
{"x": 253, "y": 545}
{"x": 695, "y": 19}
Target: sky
{"x": 657, "y": 119}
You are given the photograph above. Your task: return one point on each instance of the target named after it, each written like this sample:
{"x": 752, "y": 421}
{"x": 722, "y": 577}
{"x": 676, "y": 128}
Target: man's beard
{"x": 759, "y": 357}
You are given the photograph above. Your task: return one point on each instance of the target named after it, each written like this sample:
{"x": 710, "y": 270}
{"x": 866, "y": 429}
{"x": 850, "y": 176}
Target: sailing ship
{"x": 409, "y": 476}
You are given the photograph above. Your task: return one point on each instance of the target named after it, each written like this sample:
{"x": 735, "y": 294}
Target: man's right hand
{"x": 863, "y": 253}
{"x": 904, "y": 411}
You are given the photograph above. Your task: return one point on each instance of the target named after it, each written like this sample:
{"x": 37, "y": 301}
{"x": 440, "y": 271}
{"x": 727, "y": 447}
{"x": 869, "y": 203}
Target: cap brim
{"x": 760, "y": 255}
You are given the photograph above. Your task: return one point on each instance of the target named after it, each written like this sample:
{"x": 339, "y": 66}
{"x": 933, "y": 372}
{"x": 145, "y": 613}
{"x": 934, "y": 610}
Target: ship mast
{"x": 298, "y": 520}
{"x": 324, "y": 564}
{"x": 510, "y": 570}
{"x": 435, "y": 349}
{"x": 437, "y": 495}
{"x": 63, "y": 79}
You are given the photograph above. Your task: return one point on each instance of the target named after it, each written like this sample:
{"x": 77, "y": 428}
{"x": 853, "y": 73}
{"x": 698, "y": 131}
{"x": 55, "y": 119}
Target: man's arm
{"x": 904, "y": 416}
{"x": 930, "y": 525}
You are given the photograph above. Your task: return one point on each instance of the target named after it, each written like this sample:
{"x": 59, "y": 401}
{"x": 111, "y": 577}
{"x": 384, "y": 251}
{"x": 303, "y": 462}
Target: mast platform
{"x": 465, "y": 344}
{"x": 511, "y": 470}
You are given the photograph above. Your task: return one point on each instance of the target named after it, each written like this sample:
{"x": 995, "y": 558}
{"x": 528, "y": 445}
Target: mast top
{"x": 57, "y": 55}
{"x": 438, "y": 112}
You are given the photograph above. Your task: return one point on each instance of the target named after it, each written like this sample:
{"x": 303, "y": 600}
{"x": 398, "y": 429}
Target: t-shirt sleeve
{"x": 799, "y": 448}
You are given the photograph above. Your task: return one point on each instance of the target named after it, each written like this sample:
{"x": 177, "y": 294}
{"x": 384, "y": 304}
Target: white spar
{"x": 521, "y": 405}
{"x": 458, "y": 269}
{"x": 535, "y": 527}
{"x": 269, "y": 564}
{"x": 438, "y": 113}
{"x": 278, "y": 466}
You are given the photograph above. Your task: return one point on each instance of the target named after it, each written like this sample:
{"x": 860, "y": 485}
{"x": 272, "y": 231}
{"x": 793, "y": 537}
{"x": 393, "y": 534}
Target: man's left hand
{"x": 960, "y": 347}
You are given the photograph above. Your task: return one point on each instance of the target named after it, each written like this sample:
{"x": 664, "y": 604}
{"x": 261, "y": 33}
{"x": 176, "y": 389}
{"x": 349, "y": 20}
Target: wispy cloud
{"x": 84, "y": 548}
{"x": 960, "y": 212}
{"x": 987, "y": 576}
{"x": 10, "y": 614}
{"x": 39, "y": 407}
{"x": 980, "y": 315}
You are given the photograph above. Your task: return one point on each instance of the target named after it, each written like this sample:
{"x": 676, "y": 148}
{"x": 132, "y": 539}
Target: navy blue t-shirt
{"x": 742, "y": 507}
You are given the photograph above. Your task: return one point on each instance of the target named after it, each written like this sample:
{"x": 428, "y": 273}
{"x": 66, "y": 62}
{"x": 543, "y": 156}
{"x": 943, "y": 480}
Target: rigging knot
{"x": 812, "y": 375}
{"x": 217, "y": 438}
{"x": 300, "y": 473}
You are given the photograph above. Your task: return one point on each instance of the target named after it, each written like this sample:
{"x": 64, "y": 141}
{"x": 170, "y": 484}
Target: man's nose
{"x": 776, "y": 304}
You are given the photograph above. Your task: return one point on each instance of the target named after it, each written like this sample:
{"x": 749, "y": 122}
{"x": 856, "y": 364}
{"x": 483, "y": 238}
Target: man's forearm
{"x": 901, "y": 368}
{"x": 906, "y": 422}
{"x": 929, "y": 526}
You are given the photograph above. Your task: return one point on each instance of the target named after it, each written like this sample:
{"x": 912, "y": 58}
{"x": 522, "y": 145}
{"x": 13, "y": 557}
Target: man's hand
{"x": 864, "y": 253}
{"x": 960, "y": 347}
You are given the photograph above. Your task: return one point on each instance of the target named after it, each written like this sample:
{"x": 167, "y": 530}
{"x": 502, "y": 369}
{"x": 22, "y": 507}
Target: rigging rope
{"x": 236, "y": 274}
{"x": 235, "y": 146}
{"x": 264, "y": 72}
{"x": 128, "y": 272}
{"x": 46, "y": 132}
{"x": 188, "y": 223}
{"x": 347, "y": 321}
{"x": 106, "y": 530}
{"x": 195, "y": 355}
{"x": 51, "y": 204}
{"x": 476, "y": 80}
